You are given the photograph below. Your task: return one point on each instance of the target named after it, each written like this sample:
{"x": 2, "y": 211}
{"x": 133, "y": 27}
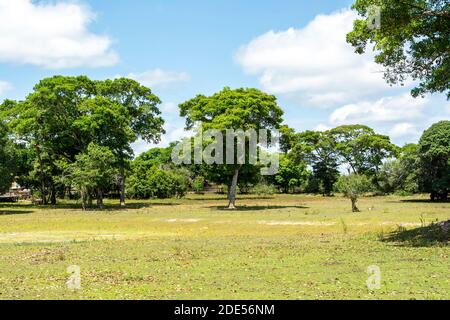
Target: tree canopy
{"x": 434, "y": 155}
{"x": 240, "y": 109}
{"x": 412, "y": 41}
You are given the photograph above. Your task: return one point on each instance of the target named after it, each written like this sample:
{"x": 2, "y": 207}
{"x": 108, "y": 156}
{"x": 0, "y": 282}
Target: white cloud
{"x": 390, "y": 109}
{"x": 322, "y": 127}
{"x": 5, "y": 86}
{"x": 402, "y": 130}
{"x": 314, "y": 64}
{"x": 159, "y": 77}
{"x": 52, "y": 35}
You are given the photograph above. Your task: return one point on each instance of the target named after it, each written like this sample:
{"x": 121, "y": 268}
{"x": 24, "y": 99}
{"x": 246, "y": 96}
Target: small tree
{"x": 353, "y": 186}
{"x": 198, "y": 184}
{"x": 92, "y": 172}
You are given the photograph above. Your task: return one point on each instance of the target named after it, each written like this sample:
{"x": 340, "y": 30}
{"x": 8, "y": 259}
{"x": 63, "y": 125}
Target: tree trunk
{"x": 89, "y": 197}
{"x": 100, "y": 198}
{"x": 232, "y": 191}
{"x": 354, "y": 207}
{"x": 53, "y": 196}
{"x": 83, "y": 199}
{"x": 42, "y": 176}
{"x": 122, "y": 188}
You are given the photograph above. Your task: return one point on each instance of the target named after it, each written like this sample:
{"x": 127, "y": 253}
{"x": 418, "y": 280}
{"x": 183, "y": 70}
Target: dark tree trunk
{"x": 53, "y": 196}
{"x": 100, "y": 198}
{"x": 122, "y": 188}
{"x": 41, "y": 176}
{"x": 233, "y": 190}
{"x": 354, "y": 207}
{"x": 83, "y": 200}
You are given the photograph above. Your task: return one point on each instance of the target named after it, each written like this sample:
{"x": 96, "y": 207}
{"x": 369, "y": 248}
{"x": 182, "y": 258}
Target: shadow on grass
{"x": 257, "y": 208}
{"x": 225, "y": 198}
{"x": 433, "y": 235}
{"x": 424, "y": 201}
{"x": 77, "y": 206}
{"x": 13, "y": 212}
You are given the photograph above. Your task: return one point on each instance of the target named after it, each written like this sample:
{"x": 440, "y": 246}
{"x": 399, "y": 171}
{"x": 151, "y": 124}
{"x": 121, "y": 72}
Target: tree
{"x": 7, "y": 159}
{"x": 242, "y": 109}
{"x": 400, "y": 175}
{"x": 412, "y": 40}
{"x": 434, "y": 163}
{"x": 362, "y": 149}
{"x": 353, "y": 186}
{"x": 63, "y": 115}
{"x": 318, "y": 149}
{"x": 143, "y": 167}
{"x": 44, "y": 120}
{"x": 291, "y": 174}
{"x": 92, "y": 172}
{"x": 143, "y": 116}
{"x": 167, "y": 184}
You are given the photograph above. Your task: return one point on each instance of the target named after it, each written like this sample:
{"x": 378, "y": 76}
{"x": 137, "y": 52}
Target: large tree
{"x": 434, "y": 155}
{"x": 412, "y": 40}
{"x": 361, "y": 149}
{"x": 142, "y": 113}
{"x": 240, "y": 109}
{"x": 63, "y": 115}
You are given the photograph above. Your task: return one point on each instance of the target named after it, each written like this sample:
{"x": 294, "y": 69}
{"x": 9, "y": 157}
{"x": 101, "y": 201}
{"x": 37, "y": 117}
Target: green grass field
{"x": 281, "y": 247}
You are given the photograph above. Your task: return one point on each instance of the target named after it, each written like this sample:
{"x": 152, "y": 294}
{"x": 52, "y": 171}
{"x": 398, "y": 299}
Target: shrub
{"x": 198, "y": 184}
{"x": 263, "y": 189}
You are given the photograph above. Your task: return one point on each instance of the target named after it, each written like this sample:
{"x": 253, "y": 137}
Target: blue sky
{"x": 293, "y": 49}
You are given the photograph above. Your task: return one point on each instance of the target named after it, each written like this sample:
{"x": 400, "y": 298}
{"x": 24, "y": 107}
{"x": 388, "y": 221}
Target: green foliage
{"x": 434, "y": 163}
{"x": 167, "y": 184}
{"x": 7, "y": 159}
{"x": 64, "y": 115}
{"x": 93, "y": 170}
{"x": 291, "y": 175}
{"x": 400, "y": 175}
{"x": 318, "y": 149}
{"x": 263, "y": 189}
{"x": 412, "y": 41}
{"x": 353, "y": 186}
{"x": 362, "y": 149}
{"x": 232, "y": 109}
{"x": 198, "y": 184}
{"x": 141, "y": 183}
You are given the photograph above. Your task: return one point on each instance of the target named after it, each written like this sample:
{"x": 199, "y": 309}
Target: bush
{"x": 165, "y": 184}
{"x": 157, "y": 183}
{"x": 198, "y": 184}
{"x": 263, "y": 189}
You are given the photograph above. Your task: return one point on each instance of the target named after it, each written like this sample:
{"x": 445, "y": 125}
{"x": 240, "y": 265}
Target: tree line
{"x": 73, "y": 134}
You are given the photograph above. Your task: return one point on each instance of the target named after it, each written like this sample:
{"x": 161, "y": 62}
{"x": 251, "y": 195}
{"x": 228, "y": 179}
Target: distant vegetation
{"x": 71, "y": 137}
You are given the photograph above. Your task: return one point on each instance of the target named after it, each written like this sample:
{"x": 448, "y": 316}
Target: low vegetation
{"x": 273, "y": 247}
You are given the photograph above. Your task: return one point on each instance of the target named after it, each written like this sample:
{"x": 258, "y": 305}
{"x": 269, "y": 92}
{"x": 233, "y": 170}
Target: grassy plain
{"x": 274, "y": 247}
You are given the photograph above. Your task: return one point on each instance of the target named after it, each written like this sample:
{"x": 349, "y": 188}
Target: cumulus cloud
{"x": 390, "y": 109}
{"x": 159, "y": 77}
{"x": 51, "y": 35}
{"x": 404, "y": 129}
{"x": 4, "y": 86}
{"x": 314, "y": 64}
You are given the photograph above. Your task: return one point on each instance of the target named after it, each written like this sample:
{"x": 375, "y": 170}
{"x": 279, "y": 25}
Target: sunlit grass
{"x": 281, "y": 247}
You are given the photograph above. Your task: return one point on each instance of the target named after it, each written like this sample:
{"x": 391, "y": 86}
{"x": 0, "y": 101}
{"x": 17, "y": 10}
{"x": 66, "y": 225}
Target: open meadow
{"x": 273, "y": 247}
